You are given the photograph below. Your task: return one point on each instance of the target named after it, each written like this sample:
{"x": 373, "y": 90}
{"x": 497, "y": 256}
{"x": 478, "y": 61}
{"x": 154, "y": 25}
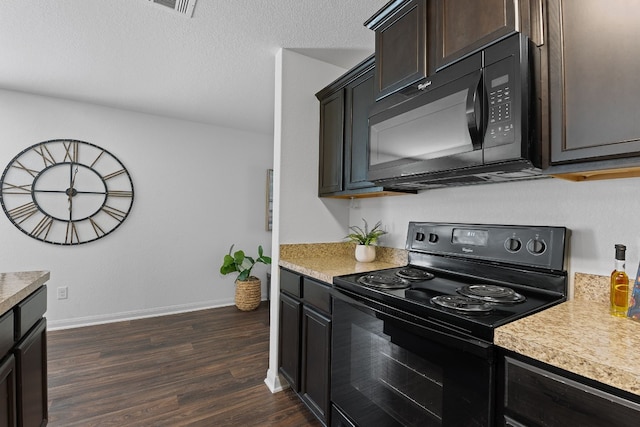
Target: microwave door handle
{"x": 474, "y": 110}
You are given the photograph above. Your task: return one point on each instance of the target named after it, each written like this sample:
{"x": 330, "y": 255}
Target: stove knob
{"x": 433, "y": 238}
{"x": 512, "y": 244}
{"x": 536, "y": 246}
{"x": 420, "y": 237}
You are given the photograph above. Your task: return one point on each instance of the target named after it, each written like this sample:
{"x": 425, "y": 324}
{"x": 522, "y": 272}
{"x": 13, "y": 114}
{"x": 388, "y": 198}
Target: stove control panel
{"x": 536, "y": 246}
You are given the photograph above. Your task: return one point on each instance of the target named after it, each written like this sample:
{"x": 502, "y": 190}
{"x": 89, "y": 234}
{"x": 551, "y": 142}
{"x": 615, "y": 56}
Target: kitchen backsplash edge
{"x": 591, "y": 287}
{"x": 293, "y": 251}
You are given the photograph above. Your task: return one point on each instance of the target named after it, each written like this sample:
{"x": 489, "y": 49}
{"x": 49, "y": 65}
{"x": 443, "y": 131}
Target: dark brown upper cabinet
{"x": 331, "y": 142}
{"x": 415, "y": 38}
{"x": 464, "y": 26}
{"x": 401, "y": 45}
{"x": 594, "y": 124}
{"x": 358, "y": 101}
{"x": 344, "y": 135}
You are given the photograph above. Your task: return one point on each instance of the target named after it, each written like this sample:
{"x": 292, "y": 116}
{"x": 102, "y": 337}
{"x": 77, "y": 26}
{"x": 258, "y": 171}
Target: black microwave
{"x": 470, "y": 123}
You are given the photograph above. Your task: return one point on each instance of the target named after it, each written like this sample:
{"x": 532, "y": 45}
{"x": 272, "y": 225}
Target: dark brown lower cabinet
{"x": 31, "y": 387}
{"x": 23, "y": 363}
{"x": 305, "y": 340}
{"x": 290, "y": 318}
{"x": 316, "y": 345}
{"x": 8, "y": 392}
{"x": 536, "y": 394}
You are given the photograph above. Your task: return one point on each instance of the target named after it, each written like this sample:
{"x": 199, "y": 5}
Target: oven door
{"x": 390, "y": 371}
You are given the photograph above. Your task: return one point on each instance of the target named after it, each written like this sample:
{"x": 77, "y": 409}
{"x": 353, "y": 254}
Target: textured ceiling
{"x": 216, "y": 67}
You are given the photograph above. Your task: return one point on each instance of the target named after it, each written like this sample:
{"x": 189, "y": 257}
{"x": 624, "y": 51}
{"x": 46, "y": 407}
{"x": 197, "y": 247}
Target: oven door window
{"x": 385, "y": 375}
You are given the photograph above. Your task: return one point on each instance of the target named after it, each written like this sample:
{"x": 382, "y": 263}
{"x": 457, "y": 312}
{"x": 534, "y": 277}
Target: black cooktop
{"x": 525, "y": 263}
{"x": 416, "y": 300}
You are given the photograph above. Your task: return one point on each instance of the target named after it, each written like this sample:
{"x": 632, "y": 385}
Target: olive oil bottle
{"x": 619, "y": 285}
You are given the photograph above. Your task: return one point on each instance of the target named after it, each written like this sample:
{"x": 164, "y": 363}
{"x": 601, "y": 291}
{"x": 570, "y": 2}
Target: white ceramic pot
{"x": 365, "y": 253}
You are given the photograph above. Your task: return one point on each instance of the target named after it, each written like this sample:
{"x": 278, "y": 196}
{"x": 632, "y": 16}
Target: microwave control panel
{"x": 500, "y": 86}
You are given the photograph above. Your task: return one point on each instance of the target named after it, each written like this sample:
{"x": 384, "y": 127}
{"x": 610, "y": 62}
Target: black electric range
{"x": 471, "y": 278}
{"x": 413, "y": 346}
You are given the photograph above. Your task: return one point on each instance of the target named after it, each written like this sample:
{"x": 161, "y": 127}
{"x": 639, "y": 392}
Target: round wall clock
{"x": 66, "y": 192}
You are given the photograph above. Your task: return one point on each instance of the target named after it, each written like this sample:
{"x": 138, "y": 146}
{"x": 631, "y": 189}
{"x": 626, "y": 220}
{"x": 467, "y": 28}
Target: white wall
{"x": 599, "y": 214}
{"x": 198, "y": 189}
{"x": 305, "y": 217}
{"x": 299, "y": 215}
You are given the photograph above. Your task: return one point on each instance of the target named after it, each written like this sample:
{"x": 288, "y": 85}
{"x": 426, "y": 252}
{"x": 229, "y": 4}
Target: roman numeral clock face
{"x": 66, "y": 192}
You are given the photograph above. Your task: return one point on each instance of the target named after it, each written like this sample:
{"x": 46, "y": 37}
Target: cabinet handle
{"x": 423, "y": 86}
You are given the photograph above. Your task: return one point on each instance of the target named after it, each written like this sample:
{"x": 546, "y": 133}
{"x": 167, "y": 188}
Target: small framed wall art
{"x": 269, "y": 207}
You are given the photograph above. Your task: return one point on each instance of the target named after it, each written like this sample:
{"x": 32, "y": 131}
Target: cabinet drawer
{"x": 6, "y": 333}
{"x": 535, "y": 396}
{"x": 291, "y": 282}
{"x": 317, "y": 295}
{"x": 29, "y": 311}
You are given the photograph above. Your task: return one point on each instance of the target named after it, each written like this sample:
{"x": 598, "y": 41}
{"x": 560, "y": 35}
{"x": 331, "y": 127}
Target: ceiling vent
{"x": 184, "y": 7}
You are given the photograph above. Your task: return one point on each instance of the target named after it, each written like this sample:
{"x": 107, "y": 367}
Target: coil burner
{"x": 381, "y": 281}
{"x": 463, "y": 304}
{"x": 416, "y": 274}
{"x": 492, "y": 294}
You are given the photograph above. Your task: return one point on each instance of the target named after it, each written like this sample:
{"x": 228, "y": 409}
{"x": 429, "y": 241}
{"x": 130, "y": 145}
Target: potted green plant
{"x": 365, "y": 239}
{"x": 248, "y": 287}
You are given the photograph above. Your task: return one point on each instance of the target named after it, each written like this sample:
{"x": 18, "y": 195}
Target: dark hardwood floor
{"x": 204, "y": 368}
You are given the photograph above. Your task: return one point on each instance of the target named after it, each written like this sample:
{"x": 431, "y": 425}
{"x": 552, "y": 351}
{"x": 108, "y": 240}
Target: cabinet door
{"x": 534, "y": 396}
{"x": 401, "y": 47}
{"x": 331, "y": 143}
{"x": 593, "y": 80}
{"x": 290, "y": 318}
{"x": 8, "y": 392}
{"x": 463, "y": 26}
{"x": 31, "y": 364}
{"x": 359, "y": 99}
{"x": 316, "y": 350}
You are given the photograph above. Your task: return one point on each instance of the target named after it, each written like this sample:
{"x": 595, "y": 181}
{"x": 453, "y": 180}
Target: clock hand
{"x": 71, "y": 191}
{"x": 73, "y": 177}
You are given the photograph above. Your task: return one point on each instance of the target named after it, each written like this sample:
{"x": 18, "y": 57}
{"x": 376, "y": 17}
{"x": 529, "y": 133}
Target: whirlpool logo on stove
{"x": 467, "y": 250}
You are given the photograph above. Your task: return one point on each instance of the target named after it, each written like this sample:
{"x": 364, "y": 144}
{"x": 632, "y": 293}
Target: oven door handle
{"x": 424, "y": 327}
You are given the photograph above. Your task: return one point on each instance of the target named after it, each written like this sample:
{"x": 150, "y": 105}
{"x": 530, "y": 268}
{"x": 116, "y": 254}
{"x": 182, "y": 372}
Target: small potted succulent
{"x": 248, "y": 287}
{"x": 365, "y": 239}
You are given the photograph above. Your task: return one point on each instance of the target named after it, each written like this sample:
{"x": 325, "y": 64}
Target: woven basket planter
{"x": 248, "y": 294}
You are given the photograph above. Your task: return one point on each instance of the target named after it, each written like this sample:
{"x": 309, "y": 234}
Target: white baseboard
{"x": 53, "y": 325}
{"x": 275, "y": 382}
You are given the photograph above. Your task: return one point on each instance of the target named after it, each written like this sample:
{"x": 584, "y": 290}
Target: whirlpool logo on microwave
{"x": 467, "y": 250}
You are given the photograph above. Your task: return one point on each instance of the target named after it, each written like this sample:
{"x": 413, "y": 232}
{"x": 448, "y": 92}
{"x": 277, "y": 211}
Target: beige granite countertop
{"x": 14, "y": 287}
{"x": 323, "y": 261}
{"x": 581, "y": 336}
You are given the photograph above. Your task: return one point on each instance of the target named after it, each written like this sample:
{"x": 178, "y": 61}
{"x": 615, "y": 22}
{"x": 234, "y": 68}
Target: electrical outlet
{"x": 62, "y": 292}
